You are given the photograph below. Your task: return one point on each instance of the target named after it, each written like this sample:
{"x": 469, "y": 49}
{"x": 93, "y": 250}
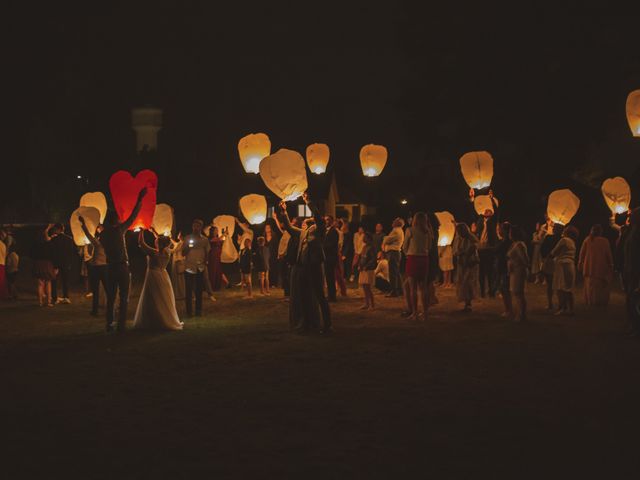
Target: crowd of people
{"x": 313, "y": 258}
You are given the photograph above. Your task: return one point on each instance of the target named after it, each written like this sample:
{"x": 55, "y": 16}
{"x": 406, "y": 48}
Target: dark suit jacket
{"x": 331, "y": 245}
{"x": 310, "y": 249}
{"x": 63, "y": 250}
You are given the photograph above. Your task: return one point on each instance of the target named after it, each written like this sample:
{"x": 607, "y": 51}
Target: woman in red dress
{"x": 216, "y": 277}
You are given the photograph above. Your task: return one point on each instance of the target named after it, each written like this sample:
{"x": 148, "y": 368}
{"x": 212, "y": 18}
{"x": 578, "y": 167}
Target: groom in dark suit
{"x": 309, "y": 271}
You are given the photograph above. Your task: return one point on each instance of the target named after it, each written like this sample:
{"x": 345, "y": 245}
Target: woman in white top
{"x": 564, "y": 275}
{"x": 157, "y": 305}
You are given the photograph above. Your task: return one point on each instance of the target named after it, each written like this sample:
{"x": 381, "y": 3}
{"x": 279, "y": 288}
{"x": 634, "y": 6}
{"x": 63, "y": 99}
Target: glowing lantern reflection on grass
{"x": 318, "y": 157}
{"x": 633, "y": 112}
{"x": 163, "y": 219}
{"x": 96, "y": 200}
{"x": 254, "y": 208}
{"x": 373, "y": 159}
{"x": 617, "y": 194}
{"x": 252, "y": 149}
{"x": 91, "y": 217}
{"x": 562, "y": 206}
{"x": 284, "y": 174}
{"x": 477, "y": 169}
{"x": 447, "y": 228}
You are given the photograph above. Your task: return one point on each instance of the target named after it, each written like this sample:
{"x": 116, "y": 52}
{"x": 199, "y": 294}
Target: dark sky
{"x": 544, "y": 91}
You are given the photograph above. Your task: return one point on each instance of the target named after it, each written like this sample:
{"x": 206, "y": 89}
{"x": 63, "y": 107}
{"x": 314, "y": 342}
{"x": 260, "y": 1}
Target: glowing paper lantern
{"x": 96, "y": 200}
{"x": 562, "y": 206}
{"x": 124, "y": 192}
{"x": 373, "y": 158}
{"x": 633, "y": 112}
{"x": 318, "y": 157}
{"x": 91, "y": 217}
{"x": 617, "y": 194}
{"x": 252, "y": 149}
{"x": 477, "y": 169}
{"x": 163, "y": 219}
{"x": 254, "y": 208}
{"x": 284, "y": 174}
{"x": 447, "y": 228}
{"x": 482, "y": 203}
{"x": 226, "y": 224}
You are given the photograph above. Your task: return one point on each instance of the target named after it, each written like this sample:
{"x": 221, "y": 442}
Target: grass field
{"x": 237, "y": 396}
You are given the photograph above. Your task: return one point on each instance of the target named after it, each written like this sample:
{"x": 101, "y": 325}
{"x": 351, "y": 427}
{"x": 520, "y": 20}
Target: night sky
{"x": 543, "y": 91}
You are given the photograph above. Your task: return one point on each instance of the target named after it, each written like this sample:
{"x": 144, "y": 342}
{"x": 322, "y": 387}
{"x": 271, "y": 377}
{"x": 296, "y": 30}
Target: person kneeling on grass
{"x": 367, "y": 267}
{"x": 246, "y": 264}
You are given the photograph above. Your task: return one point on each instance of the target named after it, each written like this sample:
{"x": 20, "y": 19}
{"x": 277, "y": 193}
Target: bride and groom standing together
{"x": 157, "y": 304}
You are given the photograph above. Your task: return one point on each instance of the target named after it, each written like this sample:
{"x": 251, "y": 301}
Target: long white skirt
{"x": 157, "y": 305}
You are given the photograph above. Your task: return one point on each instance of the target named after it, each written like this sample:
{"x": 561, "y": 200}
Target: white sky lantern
{"x": 633, "y": 112}
{"x": 226, "y": 224}
{"x": 373, "y": 158}
{"x": 617, "y": 194}
{"x": 284, "y": 174}
{"x": 163, "y": 219}
{"x": 252, "y": 149}
{"x": 562, "y": 206}
{"x": 96, "y": 200}
{"x": 447, "y": 228}
{"x": 254, "y": 208}
{"x": 477, "y": 169}
{"x": 91, "y": 217}
{"x": 318, "y": 157}
{"x": 482, "y": 203}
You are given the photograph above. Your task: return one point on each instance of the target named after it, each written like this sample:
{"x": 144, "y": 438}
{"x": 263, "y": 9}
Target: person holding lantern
{"x": 486, "y": 231}
{"x": 307, "y": 277}
{"x": 118, "y": 273}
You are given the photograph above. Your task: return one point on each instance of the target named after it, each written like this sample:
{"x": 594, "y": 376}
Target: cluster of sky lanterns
{"x": 284, "y": 173}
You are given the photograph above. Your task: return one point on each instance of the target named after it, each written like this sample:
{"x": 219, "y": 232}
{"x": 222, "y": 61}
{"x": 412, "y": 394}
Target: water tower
{"x": 146, "y": 122}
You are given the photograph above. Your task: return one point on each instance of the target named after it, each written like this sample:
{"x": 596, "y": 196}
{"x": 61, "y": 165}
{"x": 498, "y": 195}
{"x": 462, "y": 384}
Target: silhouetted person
{"x": 118, "y": 273}
{"x": 63, "y": 250}
{"x": 195, "y": 249}
{"x": 331, "y": 252}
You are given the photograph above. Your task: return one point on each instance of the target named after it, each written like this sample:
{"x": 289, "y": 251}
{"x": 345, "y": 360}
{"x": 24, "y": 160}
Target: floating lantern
{"x": 163, "y": 219}
{"x": 477, "y": 169}
{"x": 252, "y": 149}
{"x": 226, "y": 225}
{"x": 124, "y": 192}
{"x": 447, "y": 228}
{"x": 633, "y": 112}
{"x": 91, "y": 217}
{"x": 284, "y": 174}
{"x": 96, "y": 200}
{"x": 562, "y": 206}
{"x": 254, "y": 208}
{"x": 617, "y": 194}
{"x": 318, "y": 157}
{"x": 482, "y": 203}
{"x": 373, "y": 158}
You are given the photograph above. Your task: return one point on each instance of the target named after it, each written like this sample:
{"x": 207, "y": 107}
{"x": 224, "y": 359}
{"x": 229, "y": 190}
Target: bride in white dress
{"x": 157, "y": 305}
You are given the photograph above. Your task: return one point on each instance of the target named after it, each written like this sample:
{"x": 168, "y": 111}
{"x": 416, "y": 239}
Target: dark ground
{"x": 237, "y": 396}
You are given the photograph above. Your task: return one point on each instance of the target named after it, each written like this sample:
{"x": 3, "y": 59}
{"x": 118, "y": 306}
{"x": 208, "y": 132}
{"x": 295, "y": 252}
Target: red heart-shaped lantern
{"x": 124, "y": 192}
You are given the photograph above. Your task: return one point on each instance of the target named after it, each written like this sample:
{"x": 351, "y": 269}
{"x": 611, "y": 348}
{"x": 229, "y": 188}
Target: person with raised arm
{"x": 97, "y": 265}
{"x": 307, "y": 276}
{"x": 118, "y": 273}
{"x": 157, "y": 305}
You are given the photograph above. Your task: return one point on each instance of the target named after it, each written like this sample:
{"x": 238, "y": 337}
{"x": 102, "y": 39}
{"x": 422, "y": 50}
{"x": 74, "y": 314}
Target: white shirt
{"x": 382, "y": 270}
{"x": 197, "y": 250}
{"x": 393, "y": 242}
{"x": 358, "y": 242}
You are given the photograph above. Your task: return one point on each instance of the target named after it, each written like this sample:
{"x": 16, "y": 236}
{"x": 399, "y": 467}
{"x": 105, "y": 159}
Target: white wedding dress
{"x": 157, "y": 305}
